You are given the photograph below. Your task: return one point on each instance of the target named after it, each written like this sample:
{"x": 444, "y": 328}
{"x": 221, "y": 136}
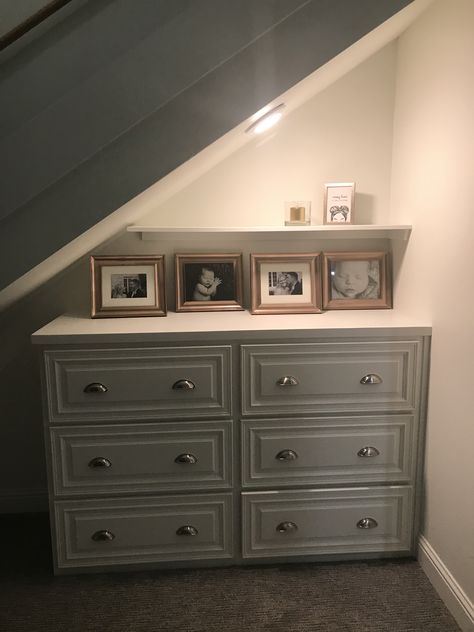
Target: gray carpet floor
{"x": 375, "y": 596}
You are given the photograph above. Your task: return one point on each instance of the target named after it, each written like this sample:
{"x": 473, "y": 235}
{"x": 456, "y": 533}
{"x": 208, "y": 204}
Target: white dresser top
{"x": 71, "y": 329}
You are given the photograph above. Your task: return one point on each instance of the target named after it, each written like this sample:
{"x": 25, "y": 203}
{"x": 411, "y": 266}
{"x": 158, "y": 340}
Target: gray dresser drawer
{"x": 343, "y": 377}
{"x": 328, "y": 450}
{"x": 132, "y": 531}
{"x": 321, "y": 522}
{"x": 141, "y": 457}
{"x": 138, "y": 383}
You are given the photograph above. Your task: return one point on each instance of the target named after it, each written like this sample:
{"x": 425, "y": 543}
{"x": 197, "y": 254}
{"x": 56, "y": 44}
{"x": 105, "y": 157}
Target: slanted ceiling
{"x": 117, "y": 94}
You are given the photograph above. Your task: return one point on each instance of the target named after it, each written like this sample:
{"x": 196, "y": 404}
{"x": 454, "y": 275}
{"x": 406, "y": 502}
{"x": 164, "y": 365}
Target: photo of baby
{"x": 208, "y": 282}
{"x": 206, "y": 285}
{"x": 285, "y": 283}
{"x": 355, "y": 279}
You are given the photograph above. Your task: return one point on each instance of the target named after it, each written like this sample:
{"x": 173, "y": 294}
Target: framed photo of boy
{"x": 338, "y": 203}
{"x": 356, "y": 280}
{"x": 208, "y": 282}
{"x": 123, "y": 286}
{"x": 285, "y": 283}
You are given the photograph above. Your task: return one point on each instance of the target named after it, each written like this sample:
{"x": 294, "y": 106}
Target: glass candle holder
{"x": 298, "y": 213}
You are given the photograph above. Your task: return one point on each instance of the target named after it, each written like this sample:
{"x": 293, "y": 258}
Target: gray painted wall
{"x": 118, "y": 94}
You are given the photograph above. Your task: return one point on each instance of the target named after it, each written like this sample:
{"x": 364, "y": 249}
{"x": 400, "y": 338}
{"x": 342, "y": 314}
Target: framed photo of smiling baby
{"x": 208, "y": 282}
{"x": 357, "y": 280}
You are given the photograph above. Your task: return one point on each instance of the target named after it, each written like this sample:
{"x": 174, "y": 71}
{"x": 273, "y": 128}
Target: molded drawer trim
{"x": 328, "y": 377}
{"x": 143, "y": 530}
{"x": 138, "y": 383}
{"x": 326, "y": 450}
{"x": 141, "y": 457}
{"x": 326, "y": 522}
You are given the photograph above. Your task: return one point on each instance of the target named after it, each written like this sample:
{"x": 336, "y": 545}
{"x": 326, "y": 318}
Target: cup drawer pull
{"x": 368, "y": 451}
{"x": 100, "y": 462}
{"x": 286, "y": 455}
{"x": 287, "y": 527}
{"x": 103, "y": 536}
{"x": 187, "y": 530}
{"x": 186, "y": 458}
{"x": 371, "y": 378}
{"x": 95, "y": 387}
{"x": 183, "y": 385}
{"x": 367, "y": 523}
{"x": 287, "y": 380}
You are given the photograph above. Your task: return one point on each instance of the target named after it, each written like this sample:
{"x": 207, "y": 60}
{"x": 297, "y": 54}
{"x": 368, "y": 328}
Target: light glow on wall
{"x": 267, "y": 120}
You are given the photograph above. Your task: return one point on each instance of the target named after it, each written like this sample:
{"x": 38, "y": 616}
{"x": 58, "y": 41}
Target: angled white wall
{"x": 342, "y": 134}
{"x": 433, "y": 165}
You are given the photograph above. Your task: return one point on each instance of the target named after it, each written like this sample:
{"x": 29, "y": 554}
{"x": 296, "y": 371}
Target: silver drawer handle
{"x": 95, "y": 387}
{"x": 183, "y": 385}
{"x": 287, "y": 380}
{"x": 286, "y": 455}
{"x": 287, "y": 527}
{"x": 103, "y": 536}
{"x": 100, "y": 462}
{"x": 371, "y": 378}
{"x": 367, "y": 523}
{"x": 187, "y": 530}
{"x": 368, "y": 451}
{"x": 186, "y": 458}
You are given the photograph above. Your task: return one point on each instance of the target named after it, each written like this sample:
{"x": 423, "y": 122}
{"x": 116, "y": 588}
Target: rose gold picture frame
{"x": 285, "y": 283}
{"x": 127, "y": 286}
{"x": 357, "y": 280}
{"x": 208, "y": 282}
{"x": 339, "y": 203}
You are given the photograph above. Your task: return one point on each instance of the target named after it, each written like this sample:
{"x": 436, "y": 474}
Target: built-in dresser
{"x": 226, "y": 438}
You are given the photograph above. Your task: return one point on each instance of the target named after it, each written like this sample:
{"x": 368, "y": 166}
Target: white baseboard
{"x": 24, "y": 501}
{"x": 455, "y": 599}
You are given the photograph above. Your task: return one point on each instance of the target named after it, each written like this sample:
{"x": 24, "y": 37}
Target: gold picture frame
{"x": 285, "y": 283}
{"x": 357, "y": 280}
{"x": 208, "y": 282}
{"x": 127, "y": 286}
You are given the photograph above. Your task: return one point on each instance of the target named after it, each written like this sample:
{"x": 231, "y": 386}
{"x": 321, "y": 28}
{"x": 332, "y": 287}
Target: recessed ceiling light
{"x": 267, "y": 120}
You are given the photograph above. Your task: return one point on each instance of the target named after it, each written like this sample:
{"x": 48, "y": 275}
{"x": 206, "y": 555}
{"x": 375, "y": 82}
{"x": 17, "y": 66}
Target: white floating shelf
{"x": 353, "y": 231}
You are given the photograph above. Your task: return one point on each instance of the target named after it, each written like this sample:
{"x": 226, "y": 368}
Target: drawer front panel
{"x": 141, "y": 457}
{"x": 334, "y": 450}
{"x": 133, "y": 531}
{"x": 129, "y": 384}
{"x": 327, "y": 522}
{"x": 329, "y": 377}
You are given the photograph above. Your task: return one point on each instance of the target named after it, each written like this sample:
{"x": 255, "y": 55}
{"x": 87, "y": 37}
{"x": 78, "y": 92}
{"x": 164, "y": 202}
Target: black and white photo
{"x": 356, "y": 280}
{"x": 208, "y": 282}
{"x": 285, "y": 283}
{"x": 127, "y": 286}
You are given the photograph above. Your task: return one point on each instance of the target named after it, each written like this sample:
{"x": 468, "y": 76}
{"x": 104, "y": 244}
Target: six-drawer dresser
{"x": 226, "y": 438}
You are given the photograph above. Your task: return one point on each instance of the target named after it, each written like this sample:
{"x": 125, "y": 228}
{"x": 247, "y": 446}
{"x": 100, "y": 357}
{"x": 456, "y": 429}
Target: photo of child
{"x": 358, "y": 279}
{"x": 206, "y": 285}
{"x": 209, "y": 281}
